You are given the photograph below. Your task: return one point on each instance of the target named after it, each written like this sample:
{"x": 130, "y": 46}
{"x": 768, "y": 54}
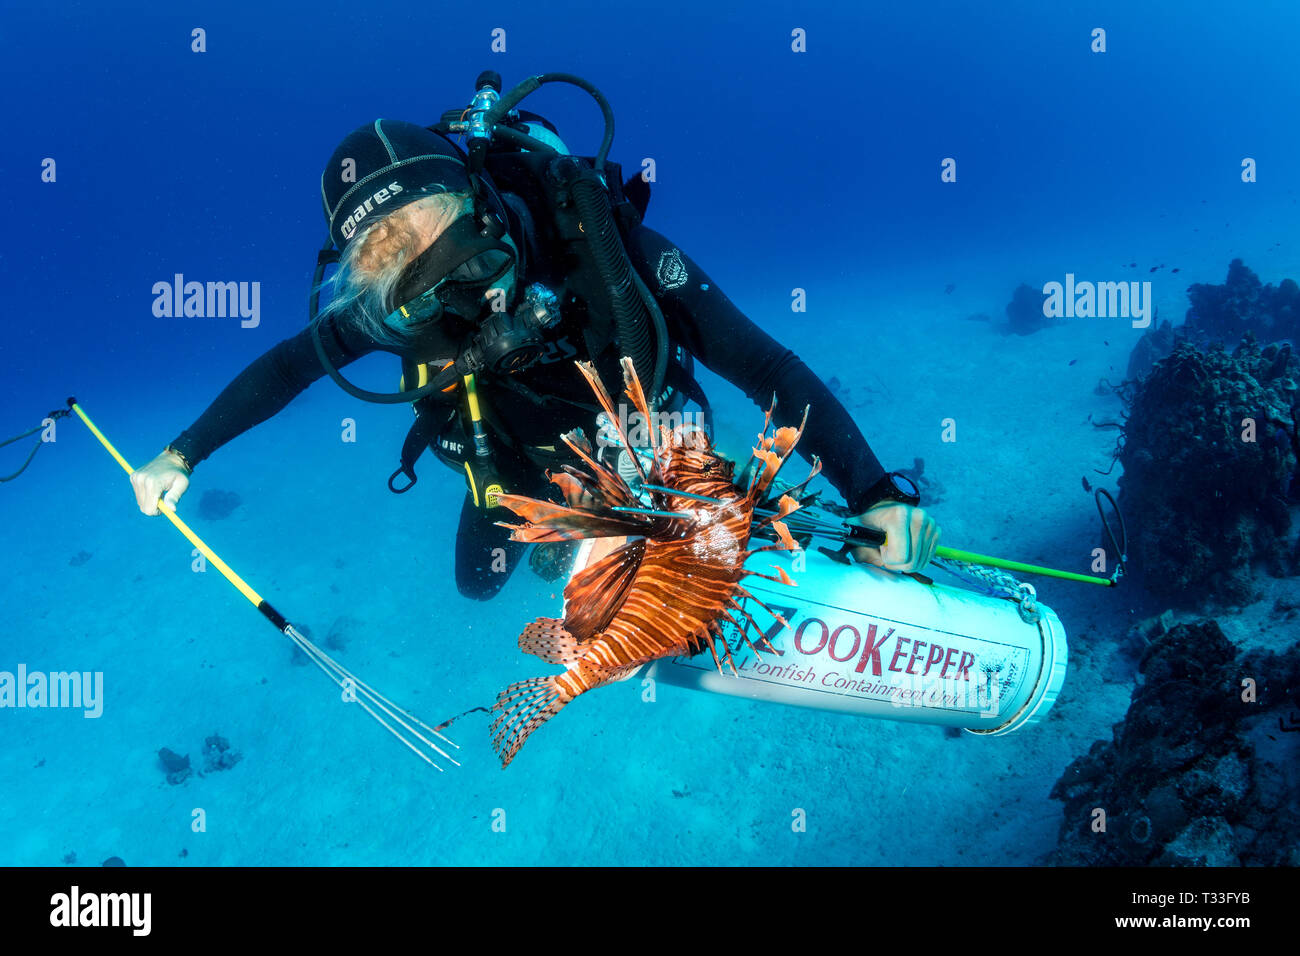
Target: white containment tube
{"x": 871, "y": 642}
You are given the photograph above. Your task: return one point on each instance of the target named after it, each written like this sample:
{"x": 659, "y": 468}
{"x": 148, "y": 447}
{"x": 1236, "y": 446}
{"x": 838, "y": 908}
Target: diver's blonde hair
{"x": 373, "y": 262}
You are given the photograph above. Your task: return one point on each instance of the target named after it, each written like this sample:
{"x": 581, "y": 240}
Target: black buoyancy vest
{"x": 564, "y": 262}
{"x": 556, "y": 253}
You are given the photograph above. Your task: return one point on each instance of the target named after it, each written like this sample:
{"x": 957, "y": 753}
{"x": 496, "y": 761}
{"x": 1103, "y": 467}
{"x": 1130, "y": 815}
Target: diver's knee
{"x": 480, "y": 584}
{"x": 477, "y": 593}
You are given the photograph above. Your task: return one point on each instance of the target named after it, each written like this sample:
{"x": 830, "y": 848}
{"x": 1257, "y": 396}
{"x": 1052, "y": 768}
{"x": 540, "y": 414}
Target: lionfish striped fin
{"x": 787, "y": 543}
{"x": 774, "y": 452}
{"x": 549, "y": 522}
{"x": 605, "y": 484}
{"x": 771, "y": 466}
{"x": 798, "y": 490}
{"x": 546, "y": 638}
{"x": 523, "y": 706}
{"x": 743, "y": 592}
{"x": 749, "y": 618}
{"x": 636, "y": 394}
{"x": 769, "y": 417}
{"x": 780, "y": 577}
{"x": 714, "y": 638}
{"x": 783, "y": 533}
{"x": 786, "y": 437}
{"x": 744, "y": 633}
{"x": 594, "y": 595}
{"x": 785, "y": 507}
{"x": 570, "y": 485}
{"x": 589, "y": 372}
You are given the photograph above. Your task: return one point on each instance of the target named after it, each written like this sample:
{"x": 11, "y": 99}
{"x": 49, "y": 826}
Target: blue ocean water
{"x": 777, "y": 169}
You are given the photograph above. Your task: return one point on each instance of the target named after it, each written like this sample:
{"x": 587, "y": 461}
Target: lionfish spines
{"x": 669, "y": 589}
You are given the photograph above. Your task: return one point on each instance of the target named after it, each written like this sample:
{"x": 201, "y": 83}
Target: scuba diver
{"x": 490, "y": 271}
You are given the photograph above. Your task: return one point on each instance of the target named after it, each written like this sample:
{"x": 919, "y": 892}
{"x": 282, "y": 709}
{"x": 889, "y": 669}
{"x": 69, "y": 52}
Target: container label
{"x": 842, "y": 652}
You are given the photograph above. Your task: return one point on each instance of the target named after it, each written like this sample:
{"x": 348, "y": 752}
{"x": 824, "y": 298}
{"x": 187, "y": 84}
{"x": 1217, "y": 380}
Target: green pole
{"x": 972, "y": 558}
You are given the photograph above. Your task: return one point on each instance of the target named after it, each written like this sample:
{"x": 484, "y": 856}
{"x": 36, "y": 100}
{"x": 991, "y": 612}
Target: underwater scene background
{"x": 920, "y": 174}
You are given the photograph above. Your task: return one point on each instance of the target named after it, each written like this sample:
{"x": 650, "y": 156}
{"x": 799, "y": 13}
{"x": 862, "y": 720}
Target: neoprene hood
{"x": 381, "y": 166}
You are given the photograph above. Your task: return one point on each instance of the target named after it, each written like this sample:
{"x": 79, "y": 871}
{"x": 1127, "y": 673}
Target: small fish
{"x": 1104, "y": 342}
{"x": 1154, "y": 268}
{"x": 1072, "y": 361}
{"x": 1132, "y": 265}
{"x": 1086, "y": 486}
{"x": 1175, "y": 270}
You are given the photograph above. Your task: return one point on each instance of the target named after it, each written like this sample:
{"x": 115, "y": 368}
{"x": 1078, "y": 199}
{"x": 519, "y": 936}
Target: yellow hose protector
{"x": 471, "y": 391}
{"x": 473, "y": 485}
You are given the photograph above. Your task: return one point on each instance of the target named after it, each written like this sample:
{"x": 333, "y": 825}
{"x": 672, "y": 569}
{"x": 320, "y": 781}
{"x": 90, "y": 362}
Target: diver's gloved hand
{"x": 165, "y": 475}
{"x": 911, "y": 536}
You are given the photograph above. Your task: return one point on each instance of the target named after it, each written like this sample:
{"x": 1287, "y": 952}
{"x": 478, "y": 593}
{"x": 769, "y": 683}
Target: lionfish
{"x": 666, "y": 591}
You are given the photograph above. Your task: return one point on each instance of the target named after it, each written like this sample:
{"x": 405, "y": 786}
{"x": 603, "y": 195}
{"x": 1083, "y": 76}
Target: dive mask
{"x": 453, "y": 274}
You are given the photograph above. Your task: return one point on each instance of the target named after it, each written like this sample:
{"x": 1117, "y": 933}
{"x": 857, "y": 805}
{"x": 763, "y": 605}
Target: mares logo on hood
{"x": 353, "y": 221}
{"x": 671, "y": 271}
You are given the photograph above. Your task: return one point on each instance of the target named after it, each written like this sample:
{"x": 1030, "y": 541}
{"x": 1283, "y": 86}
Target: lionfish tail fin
{"x": 547, "y": 638}
{"x": 523, "y": 707}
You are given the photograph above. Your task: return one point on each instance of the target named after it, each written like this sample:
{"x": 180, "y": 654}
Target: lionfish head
{"x": 701, "y": 472}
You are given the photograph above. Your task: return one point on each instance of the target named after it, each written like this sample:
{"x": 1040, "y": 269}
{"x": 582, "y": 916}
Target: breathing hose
{"x": 510, "y": 99}
{"x": 632, "y": 319}
{"x": 634, "y": 309}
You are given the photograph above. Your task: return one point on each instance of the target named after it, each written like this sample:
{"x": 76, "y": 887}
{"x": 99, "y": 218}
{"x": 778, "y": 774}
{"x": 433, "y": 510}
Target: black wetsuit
{"x": 700, "y": 319}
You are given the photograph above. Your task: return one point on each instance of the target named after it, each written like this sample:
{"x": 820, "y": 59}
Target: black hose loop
{"x": 1120, "y": 547}
{"x": 54, "y": 415}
